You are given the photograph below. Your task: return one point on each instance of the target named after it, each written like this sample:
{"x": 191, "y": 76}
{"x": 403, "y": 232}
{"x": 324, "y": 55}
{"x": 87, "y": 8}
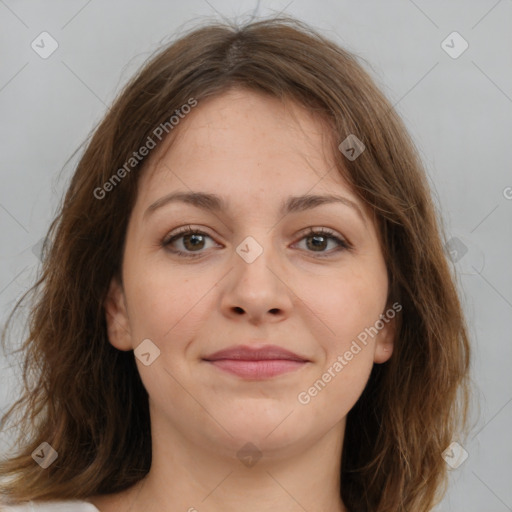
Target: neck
{"x": 192, "y": 478}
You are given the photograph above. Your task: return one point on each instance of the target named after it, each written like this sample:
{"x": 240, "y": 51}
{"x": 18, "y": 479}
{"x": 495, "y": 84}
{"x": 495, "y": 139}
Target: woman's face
{"x": 253, "y": 276}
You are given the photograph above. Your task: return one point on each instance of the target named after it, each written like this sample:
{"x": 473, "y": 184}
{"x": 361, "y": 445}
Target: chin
{"x": 268, "y": 431}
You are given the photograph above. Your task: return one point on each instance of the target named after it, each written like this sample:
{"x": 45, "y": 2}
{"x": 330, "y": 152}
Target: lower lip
{"x": 262, "y": 369}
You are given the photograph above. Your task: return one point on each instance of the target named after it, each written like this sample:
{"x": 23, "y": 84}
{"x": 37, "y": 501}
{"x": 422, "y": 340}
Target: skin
{"x": 255, "y": 151}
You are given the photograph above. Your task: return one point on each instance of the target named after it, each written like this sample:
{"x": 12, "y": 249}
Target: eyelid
{"x": 183, "y": 231}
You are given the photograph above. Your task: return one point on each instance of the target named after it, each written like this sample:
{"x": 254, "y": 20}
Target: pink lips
{"x": 256, "y": 363}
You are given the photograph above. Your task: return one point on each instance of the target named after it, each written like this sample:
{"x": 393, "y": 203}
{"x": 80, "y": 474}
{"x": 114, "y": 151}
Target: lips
{"x": 256, "y": 362}
{"x": 246, "y": 353}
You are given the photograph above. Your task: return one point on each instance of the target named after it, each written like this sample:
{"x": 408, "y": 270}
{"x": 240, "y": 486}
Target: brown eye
{"x": 193, "y": 241}
{"x": 190, "y": 241}
{"x": 318, "y": 241}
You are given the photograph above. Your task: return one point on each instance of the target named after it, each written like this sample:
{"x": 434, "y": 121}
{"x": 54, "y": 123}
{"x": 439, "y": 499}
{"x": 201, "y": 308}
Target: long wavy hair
{"x": 86, "y": 399}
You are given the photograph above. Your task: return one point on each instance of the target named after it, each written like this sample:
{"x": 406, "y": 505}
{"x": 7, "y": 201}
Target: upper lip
{"x": 251, "y": 353}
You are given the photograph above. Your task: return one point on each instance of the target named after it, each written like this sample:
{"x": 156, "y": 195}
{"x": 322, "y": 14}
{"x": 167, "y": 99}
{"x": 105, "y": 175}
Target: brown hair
{"x": 86, "y": 398}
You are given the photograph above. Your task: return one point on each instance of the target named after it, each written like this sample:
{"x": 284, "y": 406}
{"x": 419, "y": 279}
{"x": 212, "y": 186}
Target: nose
{"x": 257, "y": 289}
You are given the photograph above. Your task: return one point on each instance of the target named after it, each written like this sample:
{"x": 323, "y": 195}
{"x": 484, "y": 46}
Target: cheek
{"x": 170, "y": 312}
{"x": 350, "y": 303}
{"x": 347, "y": 351}
{"x": 351, "y": 306}
{"x": 167, "y": 308}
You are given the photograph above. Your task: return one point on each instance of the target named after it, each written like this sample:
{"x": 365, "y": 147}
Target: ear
{"x": 116, "y": 316}
{"x": 385, "y": 340}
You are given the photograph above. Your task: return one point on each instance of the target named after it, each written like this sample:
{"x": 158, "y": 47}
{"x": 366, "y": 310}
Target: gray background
{"x": 458, "y": 110}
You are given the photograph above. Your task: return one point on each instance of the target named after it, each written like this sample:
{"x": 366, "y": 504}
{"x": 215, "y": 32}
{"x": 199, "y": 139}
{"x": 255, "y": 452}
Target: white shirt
{"x": 51, "y": 506}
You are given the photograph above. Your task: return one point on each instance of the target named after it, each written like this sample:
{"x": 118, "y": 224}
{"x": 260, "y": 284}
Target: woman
{"x": 252, "y": 221}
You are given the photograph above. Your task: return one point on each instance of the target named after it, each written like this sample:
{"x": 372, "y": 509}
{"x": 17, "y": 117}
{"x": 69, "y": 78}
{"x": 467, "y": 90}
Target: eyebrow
{"x": 216, "y": 203}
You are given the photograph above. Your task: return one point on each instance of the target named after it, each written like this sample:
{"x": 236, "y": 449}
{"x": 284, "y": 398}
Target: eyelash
{"x": 187, "y": 230}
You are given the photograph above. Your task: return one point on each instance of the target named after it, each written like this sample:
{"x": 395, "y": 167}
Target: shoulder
{"x": 51, "y": 506}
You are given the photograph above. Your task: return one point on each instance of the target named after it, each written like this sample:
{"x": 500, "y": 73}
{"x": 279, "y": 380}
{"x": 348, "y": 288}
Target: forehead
{"x": 247, "y": 140}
